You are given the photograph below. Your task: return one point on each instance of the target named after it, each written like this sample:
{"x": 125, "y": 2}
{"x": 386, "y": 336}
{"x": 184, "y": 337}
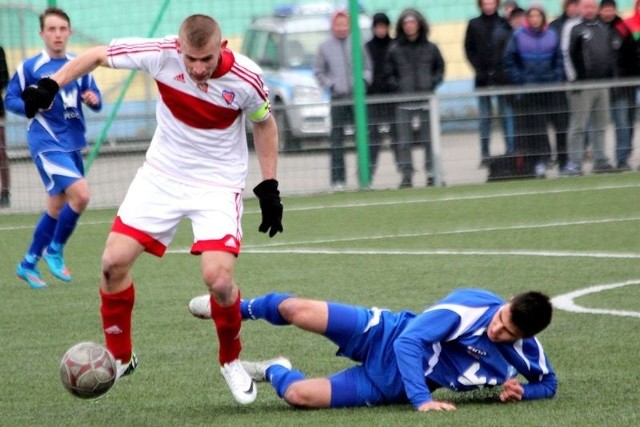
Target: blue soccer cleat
{"x": 56, "y": 265}
{"x": 31, "y": 276}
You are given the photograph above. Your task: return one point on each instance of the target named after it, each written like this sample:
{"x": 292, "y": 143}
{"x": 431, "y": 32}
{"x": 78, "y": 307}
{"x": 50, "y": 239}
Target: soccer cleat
{"x": 56, "y": 265}
{"x": 129, "y": 368}
{"x": 31, "y": 276}
{"x": 258, "y": 370}
{"x": 242, "y": 387}
{"x": 201, "y": 306}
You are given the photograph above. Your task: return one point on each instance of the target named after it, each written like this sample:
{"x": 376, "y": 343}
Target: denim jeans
{"x": 623, "y": 113}
{"x": 485, "y": 112}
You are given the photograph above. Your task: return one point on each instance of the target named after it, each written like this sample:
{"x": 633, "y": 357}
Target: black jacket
{"x": 414, "y": 66}
{"x": 4, "y": 79}
{"x": 591, "y": 50}
{"x": 479, "y": 47}
{"x": 378, "y": 48}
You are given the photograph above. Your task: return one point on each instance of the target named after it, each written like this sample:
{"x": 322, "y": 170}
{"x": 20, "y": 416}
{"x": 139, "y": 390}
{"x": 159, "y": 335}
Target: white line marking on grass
{"x": 440, "y": 233}
{"x": 566, "y": 301}
{"x": 420, "y": 252}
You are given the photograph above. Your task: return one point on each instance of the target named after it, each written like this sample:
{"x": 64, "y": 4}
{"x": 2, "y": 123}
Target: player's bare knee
{"x": 297, "y": 397}
{"x": 218, "y": 280}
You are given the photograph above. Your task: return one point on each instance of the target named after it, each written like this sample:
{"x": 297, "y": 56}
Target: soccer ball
{"x": 88, "y": 370}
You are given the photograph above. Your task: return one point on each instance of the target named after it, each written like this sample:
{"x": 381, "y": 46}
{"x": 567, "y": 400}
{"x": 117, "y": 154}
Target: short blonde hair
{"x": 198, "y": 30}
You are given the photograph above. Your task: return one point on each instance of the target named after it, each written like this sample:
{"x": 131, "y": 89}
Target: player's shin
{"x": 264, "y": 307}
{"x": 227, "y": 321}
{"x": 116, "y": 310}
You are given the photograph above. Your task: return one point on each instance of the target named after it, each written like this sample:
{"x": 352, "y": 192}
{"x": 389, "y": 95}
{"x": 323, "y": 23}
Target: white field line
{"x": 9, "y": 227}
{"x": 566, "y": 302}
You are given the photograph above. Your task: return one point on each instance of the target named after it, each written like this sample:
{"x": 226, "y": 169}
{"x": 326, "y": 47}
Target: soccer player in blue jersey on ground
{"x": 470, "y": 339}
{"x": 56, "y": 137}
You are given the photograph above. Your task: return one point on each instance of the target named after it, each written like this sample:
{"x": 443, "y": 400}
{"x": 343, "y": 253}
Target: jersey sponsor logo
{"x": 179, "y": 78}
{"x": 476, "y": 352}
{"x": 228, "y": 96}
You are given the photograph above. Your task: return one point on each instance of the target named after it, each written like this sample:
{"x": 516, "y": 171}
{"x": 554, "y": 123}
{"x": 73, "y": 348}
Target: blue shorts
{"x": 359, "y": 337}
{"x": 59, "y": 169}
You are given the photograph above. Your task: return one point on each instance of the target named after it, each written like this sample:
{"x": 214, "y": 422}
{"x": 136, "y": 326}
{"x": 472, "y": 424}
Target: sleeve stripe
{"x": 252, "y": 78}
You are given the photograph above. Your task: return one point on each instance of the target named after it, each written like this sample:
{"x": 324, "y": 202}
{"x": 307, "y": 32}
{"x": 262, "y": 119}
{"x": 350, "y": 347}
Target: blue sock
{"x": 281, "y": 378}
{"x": 67, "y": 222}
{"x": 41, "y": 237}
{"x": 264, "y": 307}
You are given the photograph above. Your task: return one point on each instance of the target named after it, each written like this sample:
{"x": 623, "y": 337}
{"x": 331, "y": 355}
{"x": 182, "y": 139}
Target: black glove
{"x": 39, "y": 96}
{"x": 270, "y": 205}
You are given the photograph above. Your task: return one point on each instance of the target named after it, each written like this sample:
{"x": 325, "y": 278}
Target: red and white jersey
{"x": 200, "y": 137}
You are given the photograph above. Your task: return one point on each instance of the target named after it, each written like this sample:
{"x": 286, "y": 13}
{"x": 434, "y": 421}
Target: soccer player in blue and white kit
{"x": 56, "y": 139}
{"x": 470, "y": 339}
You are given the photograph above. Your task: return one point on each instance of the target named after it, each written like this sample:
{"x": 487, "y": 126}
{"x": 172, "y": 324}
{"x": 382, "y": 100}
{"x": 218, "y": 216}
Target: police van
{"x": 285, "y": 44}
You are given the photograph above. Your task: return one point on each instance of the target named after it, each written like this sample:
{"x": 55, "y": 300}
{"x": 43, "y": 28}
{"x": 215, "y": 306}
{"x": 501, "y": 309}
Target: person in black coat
{"x": 479, "y": 48}
{"x": 381, "y": 114}
{"x": 414, "y": 65}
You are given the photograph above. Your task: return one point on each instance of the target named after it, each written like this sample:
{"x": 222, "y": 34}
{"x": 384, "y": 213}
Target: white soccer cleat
{"x": 242, "y": 387}
{"x": 258, "y": 370}
{"x": 124, "y": 369}
{"x": 201, "y": 306}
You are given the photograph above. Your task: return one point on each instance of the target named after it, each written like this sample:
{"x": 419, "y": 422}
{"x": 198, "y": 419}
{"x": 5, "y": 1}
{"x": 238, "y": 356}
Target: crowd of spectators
{"x": 588, "y": 42}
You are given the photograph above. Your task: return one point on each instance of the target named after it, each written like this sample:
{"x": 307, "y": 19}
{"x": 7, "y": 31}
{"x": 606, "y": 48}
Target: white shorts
{"x": 155, "y": 204}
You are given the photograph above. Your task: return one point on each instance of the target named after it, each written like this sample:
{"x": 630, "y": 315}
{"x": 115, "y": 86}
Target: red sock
{"x": 116, "y": 310}
{"x": 228, "y": 322}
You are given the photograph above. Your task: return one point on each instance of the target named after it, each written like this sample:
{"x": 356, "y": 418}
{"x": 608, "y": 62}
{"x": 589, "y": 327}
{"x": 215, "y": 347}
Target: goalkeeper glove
{"x": 39, "y": 96}
{"x": 270, "y": 205}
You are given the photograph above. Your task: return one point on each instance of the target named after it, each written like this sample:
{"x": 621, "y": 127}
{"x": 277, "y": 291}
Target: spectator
{"x": 627, "y": 65}
{"x": 380, "y": 114}
{"x": 56, "y": 139}
{"x": 508, "y": 7}
{"x": 633, "y": 22}
{"x": 588, "y": 54}
{"x": 560, "y": 120}
{"x": 533, "y": 56}
{"x": 478, "y": 46}
{"x": 414, "y": 65}
{"x": 333, "y": 69}
{"x": 5, "y": 174}
{"x": 501, "y": 37}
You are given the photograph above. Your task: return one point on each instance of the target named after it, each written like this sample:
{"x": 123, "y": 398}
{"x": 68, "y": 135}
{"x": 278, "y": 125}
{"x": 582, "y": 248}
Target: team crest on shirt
{"x": 228, "y": 96}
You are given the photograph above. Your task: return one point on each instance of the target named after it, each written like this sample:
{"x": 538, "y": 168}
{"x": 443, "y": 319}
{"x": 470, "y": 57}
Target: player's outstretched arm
{"x": 84, "y": 63}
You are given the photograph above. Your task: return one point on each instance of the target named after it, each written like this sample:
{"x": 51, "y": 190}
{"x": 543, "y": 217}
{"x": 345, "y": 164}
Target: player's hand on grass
{"x": 39, "y": 96}
{"x": 435, "y": 405}
{"x": 512, "y": 391}
{"x": 270, "y": 205}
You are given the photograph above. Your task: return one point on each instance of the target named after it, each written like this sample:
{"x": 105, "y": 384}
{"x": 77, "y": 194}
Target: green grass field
{"x": 393, "y": 249}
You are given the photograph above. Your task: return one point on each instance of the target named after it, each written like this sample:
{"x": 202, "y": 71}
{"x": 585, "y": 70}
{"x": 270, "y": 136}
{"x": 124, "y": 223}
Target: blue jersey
{"x": 62, "y": 128}
{"x": 446, "y": 345}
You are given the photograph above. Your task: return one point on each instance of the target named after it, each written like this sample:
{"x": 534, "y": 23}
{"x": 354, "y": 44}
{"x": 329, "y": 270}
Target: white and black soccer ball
{"x": 88, "y": 370}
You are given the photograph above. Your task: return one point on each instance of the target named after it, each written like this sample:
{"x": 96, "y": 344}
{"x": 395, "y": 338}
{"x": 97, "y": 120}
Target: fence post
{"x": 436, "y": 143}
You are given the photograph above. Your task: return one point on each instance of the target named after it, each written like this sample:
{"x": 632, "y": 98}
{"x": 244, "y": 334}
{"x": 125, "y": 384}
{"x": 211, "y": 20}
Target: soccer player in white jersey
{"x": 56, "y": 139}
{"x": 470, "y": 339}
{"x": 195, "y": 168}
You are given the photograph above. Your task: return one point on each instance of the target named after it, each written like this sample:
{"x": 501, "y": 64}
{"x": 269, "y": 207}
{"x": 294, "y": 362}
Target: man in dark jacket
{"x": 478, "y": 46}
{"x": 414, "y": 65}
{"x": 588, "y": 55}
{"x": 4, "y": 159}
{"x": 501, "y": 36}
{"x": 627, "y": 64}
{"x": 380, "y": 113}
